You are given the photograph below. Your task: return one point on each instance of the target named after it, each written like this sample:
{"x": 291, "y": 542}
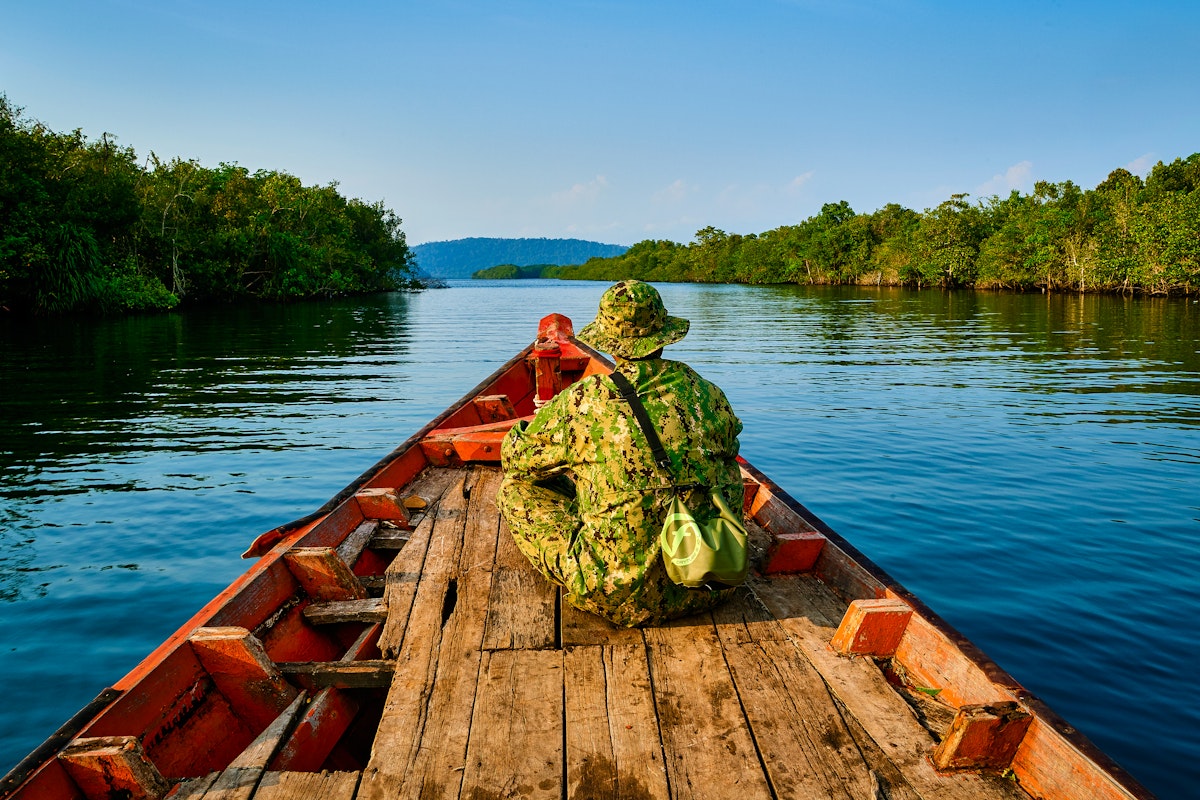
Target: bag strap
{"x": 643, "y": 420}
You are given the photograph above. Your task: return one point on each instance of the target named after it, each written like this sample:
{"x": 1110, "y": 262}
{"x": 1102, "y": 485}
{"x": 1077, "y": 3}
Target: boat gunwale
{"x": 280, "y": 539}
{"x": 889, "y": 587}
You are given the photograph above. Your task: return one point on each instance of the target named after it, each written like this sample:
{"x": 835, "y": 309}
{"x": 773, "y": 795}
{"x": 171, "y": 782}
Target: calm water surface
{"x": 1028, "y": 465}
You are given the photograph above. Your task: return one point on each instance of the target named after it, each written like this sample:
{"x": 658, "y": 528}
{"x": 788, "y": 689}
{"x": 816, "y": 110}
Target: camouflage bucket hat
{"x": 633, "y": 322}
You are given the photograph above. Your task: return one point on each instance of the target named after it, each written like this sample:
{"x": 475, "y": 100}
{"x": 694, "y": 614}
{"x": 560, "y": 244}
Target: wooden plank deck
{"x": 501, "y": 690}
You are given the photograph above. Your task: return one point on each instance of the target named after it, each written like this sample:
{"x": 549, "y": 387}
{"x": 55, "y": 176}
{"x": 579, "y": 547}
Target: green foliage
{"x": 500, "y": 272}
{"x": 84, "y": 227}
{"x": 1124, "y": 235}
{"x": 511, "y": 271}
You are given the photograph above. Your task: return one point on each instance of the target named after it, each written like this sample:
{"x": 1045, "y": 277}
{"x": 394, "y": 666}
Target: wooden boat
{"x": 395, "y": 643}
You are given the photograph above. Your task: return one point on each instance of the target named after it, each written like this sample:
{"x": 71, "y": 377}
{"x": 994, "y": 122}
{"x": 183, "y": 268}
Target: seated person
{"x": 582, "y": 494}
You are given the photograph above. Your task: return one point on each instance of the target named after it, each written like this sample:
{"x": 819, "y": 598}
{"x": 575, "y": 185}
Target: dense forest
{"x": 84, "y": 226}
{"x": 460, "y": 258}
{"x": 1125, "y": 235}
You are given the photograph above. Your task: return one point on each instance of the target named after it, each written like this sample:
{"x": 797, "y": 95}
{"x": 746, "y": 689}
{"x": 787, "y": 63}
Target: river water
{"x": 1029, "y": 465}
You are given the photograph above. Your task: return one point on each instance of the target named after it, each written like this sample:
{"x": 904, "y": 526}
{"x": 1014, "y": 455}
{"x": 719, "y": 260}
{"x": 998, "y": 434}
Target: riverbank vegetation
{"x": 85, "y": 227}
{"x": 503, "y": 272}
{"x": 1127, "y": 234}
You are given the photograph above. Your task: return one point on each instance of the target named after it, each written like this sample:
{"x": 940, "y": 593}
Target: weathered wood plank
{"x": 581, "y": 628}
{"x": 373, "y": 609}
{"x": 521, "y": 615}
{"x": 436, "y": 760}
{"x": 238, "y": 780}
{"x": 804, "y": 744}
{"x": 633, "y": 721}
{"x": 421, "y": 745}
{"x": 391, "y": 539}
{"x": 519, "y": 719}
{"x": 483, "y": 521}
{"x": 743, "y": 619}
{"x": 705, "y": 735}
{"x": 404, "y": 573}
{"x": 193, "y": 788}
{"x": 398, "y": 740}
{"x": 591, "y": 763}
{"x": 353, "y": 545}
{"x": 523, "y": 604}
{"x": 887, "y": 782}
{"x": 307, "y": 786}
{"x": 372, "y": 674}
{"x": 861, "y": 688}
{"x": 613, "y": 744}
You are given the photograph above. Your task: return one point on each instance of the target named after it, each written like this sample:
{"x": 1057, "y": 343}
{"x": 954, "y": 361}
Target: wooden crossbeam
{"x": 323, "y": 574}
{"x": 373, "y": 609}
{"x": 473, "y": 443}
{"x": 387, "y": 539}
{"x": 872, "y": 627}
{"x": 112, "y": 766}
{"x": 494, "y": 408}
{"x": 369, "y": 674}
{"x": 793, "y": 552}
{"x": 243, "y": 673}
{"x": 381, "y": 503}
{"x": 983, "y": 737}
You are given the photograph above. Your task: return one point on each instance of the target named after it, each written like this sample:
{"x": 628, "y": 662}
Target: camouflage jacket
{"x": 588, "y": 434}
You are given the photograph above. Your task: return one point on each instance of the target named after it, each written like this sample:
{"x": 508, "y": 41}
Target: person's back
{"x": 583, "y": 496}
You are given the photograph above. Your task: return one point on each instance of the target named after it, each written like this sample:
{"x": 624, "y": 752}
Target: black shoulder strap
{"x": 643, "y": 420}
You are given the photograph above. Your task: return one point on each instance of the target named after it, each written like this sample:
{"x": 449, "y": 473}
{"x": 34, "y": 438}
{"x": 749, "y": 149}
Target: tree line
{"x": 85, "y": 227}
{"x": 1127, "y": 234}
{"x": 503, "y": 272}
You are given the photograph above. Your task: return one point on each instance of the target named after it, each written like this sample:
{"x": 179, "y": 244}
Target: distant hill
{"x": 461, "y": 257}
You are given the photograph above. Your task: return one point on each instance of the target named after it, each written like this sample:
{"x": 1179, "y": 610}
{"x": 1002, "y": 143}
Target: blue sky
{"x": 620, "y": 121}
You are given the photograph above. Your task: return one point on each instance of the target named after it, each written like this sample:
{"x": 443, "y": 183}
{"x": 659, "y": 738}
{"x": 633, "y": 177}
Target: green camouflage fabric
{"x": 585, "y": 501}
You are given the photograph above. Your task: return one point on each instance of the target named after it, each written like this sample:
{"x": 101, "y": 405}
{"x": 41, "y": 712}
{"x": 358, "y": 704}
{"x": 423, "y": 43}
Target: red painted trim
{"x": 317, "y": 733}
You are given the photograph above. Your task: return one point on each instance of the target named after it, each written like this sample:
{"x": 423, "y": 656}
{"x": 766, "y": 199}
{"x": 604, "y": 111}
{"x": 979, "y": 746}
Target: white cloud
{"x": 798, "y": 182}
{"x": 677, "y": 192}
{"x": 581, "y": 192}
{"x": 1018, "y": 176}
{"x": 1142, "y": 164}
